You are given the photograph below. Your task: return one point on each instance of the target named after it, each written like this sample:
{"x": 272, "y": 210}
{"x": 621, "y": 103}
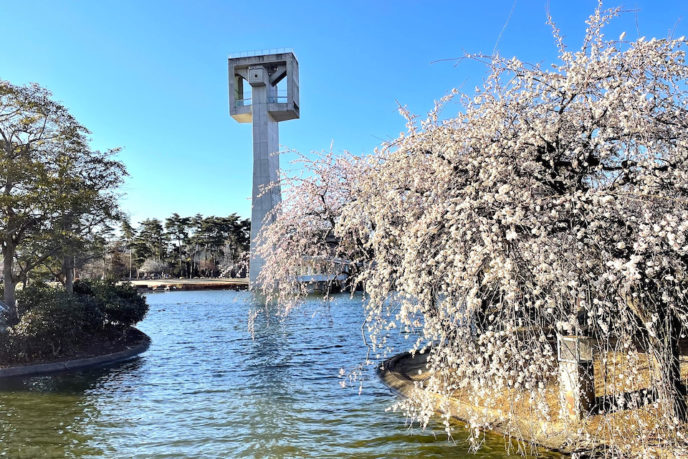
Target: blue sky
{"x": 151, "y": 76}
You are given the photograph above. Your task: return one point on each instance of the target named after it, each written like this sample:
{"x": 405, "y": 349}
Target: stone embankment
{"x": 406, "y": 373}
{"x": 141, "y": 345}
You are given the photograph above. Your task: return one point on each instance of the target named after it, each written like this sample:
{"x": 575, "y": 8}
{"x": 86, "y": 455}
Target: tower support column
{"x": 265, "y": 173}
{"x": 274, "y": 80}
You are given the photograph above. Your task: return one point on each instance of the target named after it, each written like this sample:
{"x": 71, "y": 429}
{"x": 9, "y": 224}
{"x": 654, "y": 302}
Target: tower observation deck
{"x": 273, "y": 77}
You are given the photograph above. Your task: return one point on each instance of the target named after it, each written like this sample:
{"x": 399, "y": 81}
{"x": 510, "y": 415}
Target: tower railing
{"x": 261, "y": 52}
{"x": 279, "y": 99}
{"x": 242, "y": 102}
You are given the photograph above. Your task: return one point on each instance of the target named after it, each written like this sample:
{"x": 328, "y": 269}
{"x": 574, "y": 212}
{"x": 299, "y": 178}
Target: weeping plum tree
{"x": 304, "y": 224}
{"x": 556, "y": 202}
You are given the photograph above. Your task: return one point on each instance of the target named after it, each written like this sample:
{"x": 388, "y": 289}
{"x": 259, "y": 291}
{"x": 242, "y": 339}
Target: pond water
{"x": 206, "y": 388}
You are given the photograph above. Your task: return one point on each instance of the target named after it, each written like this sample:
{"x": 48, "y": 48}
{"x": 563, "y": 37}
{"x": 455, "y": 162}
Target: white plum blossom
{"x": 555, "y": 202}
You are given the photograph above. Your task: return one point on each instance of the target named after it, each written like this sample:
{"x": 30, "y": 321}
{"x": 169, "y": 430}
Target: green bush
{"x": 55, "y": 323}
{"x": 32, "y": 296}
{"x": 121, "y": 304}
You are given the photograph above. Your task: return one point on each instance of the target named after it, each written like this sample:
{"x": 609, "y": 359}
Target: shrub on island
{"x": 121, "y": 304}
{"x": 55, "y": 324}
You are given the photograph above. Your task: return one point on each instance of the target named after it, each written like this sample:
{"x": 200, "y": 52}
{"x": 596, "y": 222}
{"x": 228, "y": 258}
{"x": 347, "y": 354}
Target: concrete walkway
{"x": 192, "y": 284}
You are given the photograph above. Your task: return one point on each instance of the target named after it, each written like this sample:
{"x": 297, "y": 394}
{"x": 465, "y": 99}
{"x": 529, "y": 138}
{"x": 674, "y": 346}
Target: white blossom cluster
{"x": 302, "y": 226}
{"x": 556, "y": 202}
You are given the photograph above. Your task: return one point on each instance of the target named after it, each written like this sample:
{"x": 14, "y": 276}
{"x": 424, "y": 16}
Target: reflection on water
{"x": 51, "y": 416}
{"x": 205, "y": 388}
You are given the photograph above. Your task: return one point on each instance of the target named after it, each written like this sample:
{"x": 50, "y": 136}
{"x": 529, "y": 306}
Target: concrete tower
{"x": 274, "y": 80}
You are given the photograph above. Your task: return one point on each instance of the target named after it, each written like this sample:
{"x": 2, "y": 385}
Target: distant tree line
{"x": 195, "y": 246}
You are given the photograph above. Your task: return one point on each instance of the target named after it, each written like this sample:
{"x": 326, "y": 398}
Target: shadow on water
{"x": 52, "y": 415}
{"x": 68, "y": 382}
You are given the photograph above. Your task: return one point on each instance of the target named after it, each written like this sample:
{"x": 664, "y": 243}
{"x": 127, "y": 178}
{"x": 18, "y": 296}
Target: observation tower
{"x": 273, "y": 76}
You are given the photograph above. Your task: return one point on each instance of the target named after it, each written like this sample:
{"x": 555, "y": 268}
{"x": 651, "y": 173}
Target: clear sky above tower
{"x": 151, "y": 76}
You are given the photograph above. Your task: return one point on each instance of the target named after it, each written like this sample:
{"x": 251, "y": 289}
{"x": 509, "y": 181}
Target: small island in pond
{"x": 91, "y": 325}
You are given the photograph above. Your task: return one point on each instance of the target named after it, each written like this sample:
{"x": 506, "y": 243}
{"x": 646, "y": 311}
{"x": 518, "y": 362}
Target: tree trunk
{"x": 68, "y": 272}
{"x": 180, "y": 258}
{"x": 671, "y": 370}
{"x": 667, "y": 351}
{"x": 8, "y": 250}
{"x": 664, "y": 345}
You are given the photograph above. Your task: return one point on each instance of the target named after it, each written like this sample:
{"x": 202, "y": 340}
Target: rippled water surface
{"x": 205, "y": 388}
